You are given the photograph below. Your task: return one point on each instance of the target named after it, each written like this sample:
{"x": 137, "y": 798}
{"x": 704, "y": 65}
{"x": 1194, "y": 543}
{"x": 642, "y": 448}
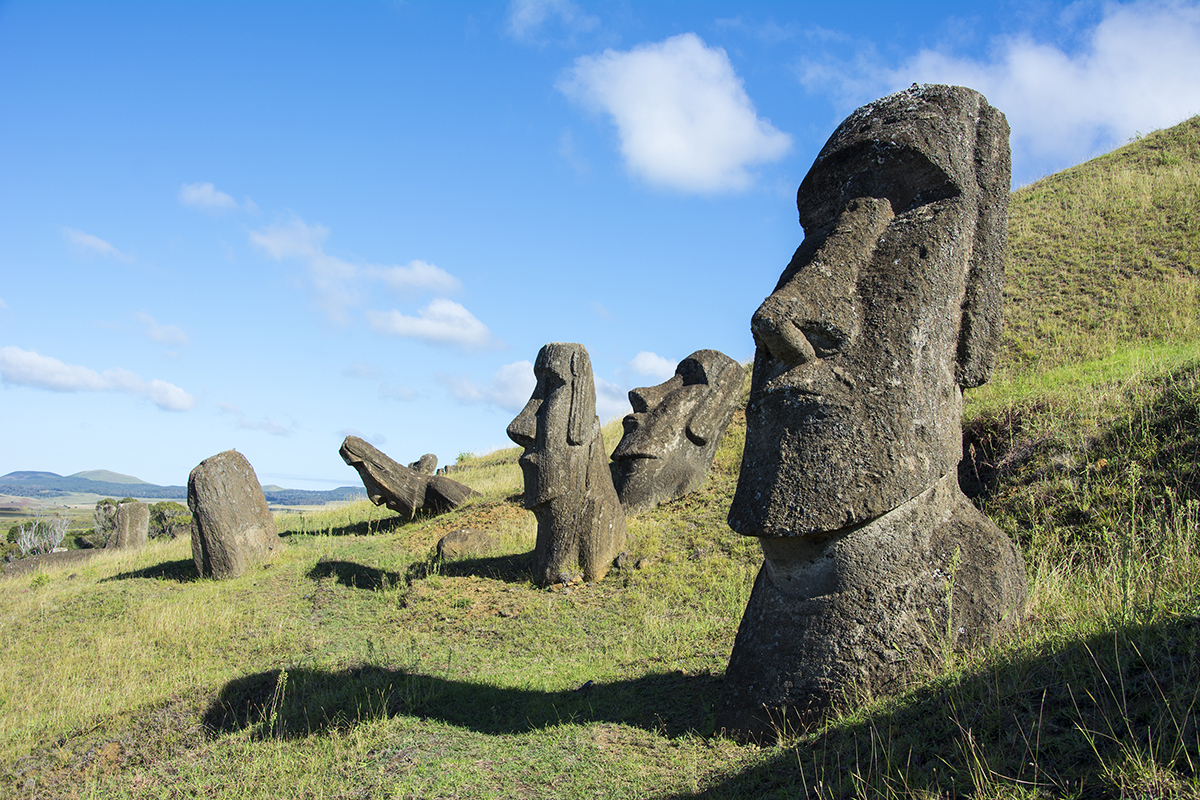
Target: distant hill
{"x": 106, "y": 476}
{"x": 46, "y": 485}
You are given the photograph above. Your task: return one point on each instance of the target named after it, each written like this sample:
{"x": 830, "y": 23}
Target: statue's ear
{"x": 583, "y": 399}
{"x": 979, "y": 331}
{"x": 711, "y": 417}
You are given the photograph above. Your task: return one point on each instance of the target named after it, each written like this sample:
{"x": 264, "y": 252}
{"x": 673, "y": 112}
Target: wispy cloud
{"x": 339, "y": 285}
{"x": 388, "y": 391}
{"x": 681, "y": 111}
{"x": 612, "y": 400}
{"x": 509, "y": 388}
{"x": 417, "y": 275}
{"x": 265, "y": 425}
{"x": 93, "y": 245}
{"x": 28, "y": 368}
{"x": 1134, "y": 71}
{"x": 162, "y": 334}
{"x": 441, "y": 322}
{"x": 3, "y": 305}
{"x": 531, "y": 20}
{"x": 652, "y": 365}
{"x": 208, "y": 198}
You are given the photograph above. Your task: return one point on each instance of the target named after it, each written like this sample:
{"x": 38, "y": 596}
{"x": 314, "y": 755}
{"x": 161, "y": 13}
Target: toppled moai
{"x": 875, "y": 561}
{"x": 426, "y": 464}
{"x": 130, "y": 526}
{"x": 672, "y": 435}
{"x": 568, "y": 486}
{"x": 400, "y": 488}
{"x": 233, "y": 528}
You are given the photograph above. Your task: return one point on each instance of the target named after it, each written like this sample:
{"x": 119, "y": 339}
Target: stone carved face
{"x": 670, "y": 436}
{"x": 557, "y": 425}
{"x": 888, "y": 308}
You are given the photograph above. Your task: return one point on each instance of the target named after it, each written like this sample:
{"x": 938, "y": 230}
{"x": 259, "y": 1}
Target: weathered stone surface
{"x": 233, "y": 528}
{"x": 673, "y": 433}
{"x": 888, "y": 309}
{"x": 855, "y": 612}
{"x": 568, "y": 486}
{"x": 401, "y": 489}
{"x": 131, "y": 526}
{"x": 426, "y": 464}
{"x": 465, "y": 542}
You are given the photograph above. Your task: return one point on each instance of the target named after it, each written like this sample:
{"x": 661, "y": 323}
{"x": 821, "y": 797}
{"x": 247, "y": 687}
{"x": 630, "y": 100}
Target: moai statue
{"x": 672, "y": 435}
{"x": 404, "y": 490}
{"x": 568, "y": 486}
{"x": 233, "y": 529}
{"x": 131, "y": 526}
{"x": 875, "y": 561}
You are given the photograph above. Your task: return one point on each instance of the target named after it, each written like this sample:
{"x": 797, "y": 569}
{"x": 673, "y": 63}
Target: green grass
{"x": 357, "y": 665}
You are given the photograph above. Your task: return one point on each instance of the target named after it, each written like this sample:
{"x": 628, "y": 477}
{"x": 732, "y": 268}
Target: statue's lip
{"x": 631, "y": 456}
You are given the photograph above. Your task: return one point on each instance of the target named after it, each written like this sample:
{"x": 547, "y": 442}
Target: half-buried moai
{"x": 233, "y": 527}
{"x": 875, "y": 561}
{"x": 131, "y": 526}
{"x": 568, "y": 486}
{"x": 672, "y": 435}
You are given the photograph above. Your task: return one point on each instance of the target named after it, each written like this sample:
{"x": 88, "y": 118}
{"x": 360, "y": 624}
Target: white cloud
{"x": 681, "y": 112}
{"x": 163, "y": 334}
{"x": 3, "y": 305}
{"x": 28, "y": 368}
{"x": 1136, "y": 70}
{"x": 266, "y": 425}
{"x": 206, "y": 197}
{"x": 359, "y": 369}
{"x": 510, "y": 387}
{"x": 612, "y": 400}
{"x": 417, "y": 275}
{"x": 652, "y": 365}
{"x": 527, "y": 19}
{"x": 441, "y": 322}
{"x": 86, "y": 243}
{"x": 337, "y": 285}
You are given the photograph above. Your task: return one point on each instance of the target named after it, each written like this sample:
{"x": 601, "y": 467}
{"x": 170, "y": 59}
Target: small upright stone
{"x": 131, "y": 526}
{"x": 568, "y": 486}
{"x": 672, "y": 435}
{"x": 233, "y": 525}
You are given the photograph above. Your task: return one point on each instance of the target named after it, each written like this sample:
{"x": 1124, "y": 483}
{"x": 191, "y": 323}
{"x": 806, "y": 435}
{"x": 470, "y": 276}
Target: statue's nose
{"x": 816, "y": 314}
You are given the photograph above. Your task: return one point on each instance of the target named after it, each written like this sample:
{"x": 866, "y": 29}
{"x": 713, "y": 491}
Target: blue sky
{"x": 265, "y": 226}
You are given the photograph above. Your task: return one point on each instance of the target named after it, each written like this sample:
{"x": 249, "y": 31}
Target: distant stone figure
{"x": 889, "y": 308}
{"x": 130, "y": 526}
{"x": 426, "y": 464}
{"x": 568, "y": 486}
{"x": 233, "y": 528}
{"x": 672, "y": 435}
{"x": 400, "y": 488}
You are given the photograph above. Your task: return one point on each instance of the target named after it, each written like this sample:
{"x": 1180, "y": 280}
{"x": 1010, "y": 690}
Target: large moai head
{"x": 557, "y": 425}
{"x": 888, "y": 309}
{"x": 673, "y": 432}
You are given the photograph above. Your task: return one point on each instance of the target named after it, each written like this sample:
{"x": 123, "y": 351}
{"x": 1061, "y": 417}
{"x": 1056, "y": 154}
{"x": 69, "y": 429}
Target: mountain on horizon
{"x": 105, "y": 483}
{"x": 106, "y": 476}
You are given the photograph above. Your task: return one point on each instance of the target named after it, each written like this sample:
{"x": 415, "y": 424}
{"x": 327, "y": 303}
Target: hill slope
{"x": 360, "y": 665}
{"x": 1104, "y": 254}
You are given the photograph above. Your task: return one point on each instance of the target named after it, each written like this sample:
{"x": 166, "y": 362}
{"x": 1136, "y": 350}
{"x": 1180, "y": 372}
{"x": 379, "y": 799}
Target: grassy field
{"x": 356, "y": 665}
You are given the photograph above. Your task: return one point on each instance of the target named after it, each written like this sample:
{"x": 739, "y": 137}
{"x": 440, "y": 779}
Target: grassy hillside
{"x": 356, "y": 665}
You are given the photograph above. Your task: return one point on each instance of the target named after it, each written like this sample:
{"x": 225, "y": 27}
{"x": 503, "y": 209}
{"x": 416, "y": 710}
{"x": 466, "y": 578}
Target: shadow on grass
{"x": 367, "y": 527}
{"x": 183, "y": 571}
{"x": 1113, "y": 715}
{"x": 513, "y": 568}
{"x": 354, "y": 575}
{"x": 307, "y": 702}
